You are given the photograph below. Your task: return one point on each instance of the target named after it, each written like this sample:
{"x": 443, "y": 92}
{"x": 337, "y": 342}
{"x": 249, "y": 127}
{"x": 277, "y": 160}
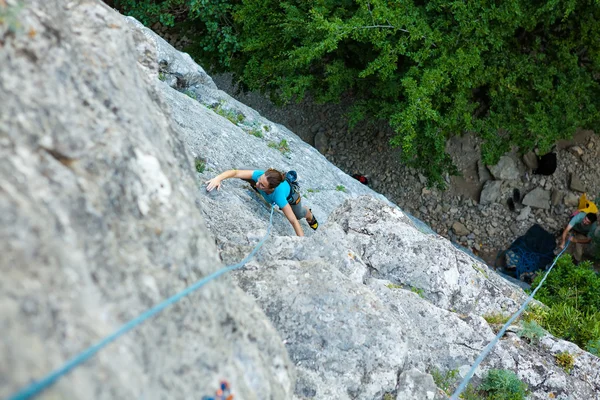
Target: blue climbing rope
{"x": 491, "y": 345}
{"x": 38, "y": 386}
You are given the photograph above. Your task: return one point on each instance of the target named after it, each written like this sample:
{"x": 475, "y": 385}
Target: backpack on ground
{"x": 292, "y": 179}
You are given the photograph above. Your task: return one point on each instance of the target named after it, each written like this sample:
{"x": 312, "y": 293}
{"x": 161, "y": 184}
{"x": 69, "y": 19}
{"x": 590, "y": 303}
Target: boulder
{"x": 482, "y": 172}
{"x": 416, "y": 385}
{"x": 571, "y": 200}
{"x": 524, "y": 214}
{"x": 491, "y": 193}
{"x": 576, "y": 151}
{"x": 557, "y": 197}
{"x": 537, "y": 198}
{"x": 506, "y": 168}
{"x": 459, "y": 229}
{"x": 531, "y": 160}
{"x": 576, "y": 184}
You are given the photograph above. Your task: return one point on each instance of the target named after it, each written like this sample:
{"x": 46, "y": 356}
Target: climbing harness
{"x": 37, "y": 387}
{"x": 491, "y": 345}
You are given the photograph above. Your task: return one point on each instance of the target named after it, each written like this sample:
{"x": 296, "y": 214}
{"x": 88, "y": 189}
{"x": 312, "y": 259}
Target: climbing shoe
{"x": 313, "y": 223}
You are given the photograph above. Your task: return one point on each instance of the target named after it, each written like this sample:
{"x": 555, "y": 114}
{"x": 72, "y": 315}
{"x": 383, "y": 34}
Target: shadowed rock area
{"x": 107, "y": 134}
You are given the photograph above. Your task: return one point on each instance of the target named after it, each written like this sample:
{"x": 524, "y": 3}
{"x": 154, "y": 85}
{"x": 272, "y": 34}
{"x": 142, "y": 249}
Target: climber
{"x": 583, "y": 226}
{"x": 275, "y": 189}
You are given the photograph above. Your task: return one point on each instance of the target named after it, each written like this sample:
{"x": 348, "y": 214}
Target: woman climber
{"x": 275, "y": 189}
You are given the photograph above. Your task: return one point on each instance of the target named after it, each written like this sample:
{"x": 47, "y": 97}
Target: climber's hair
{"x": 274, "y": 178}
{"x": 592, "y": 217}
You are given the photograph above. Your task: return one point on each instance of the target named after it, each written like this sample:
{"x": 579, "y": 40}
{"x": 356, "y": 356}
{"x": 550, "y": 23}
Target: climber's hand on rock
{"x": 212, "y": 184}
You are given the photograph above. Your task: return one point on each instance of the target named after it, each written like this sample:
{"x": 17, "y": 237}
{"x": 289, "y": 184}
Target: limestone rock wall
{"x": 99, "y": 223}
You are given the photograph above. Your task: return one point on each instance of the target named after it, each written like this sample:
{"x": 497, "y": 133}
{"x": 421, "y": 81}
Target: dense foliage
{"x": 573, "y": 294}
{"x": 501, "y": 384}
{"x": 516, "y": 72}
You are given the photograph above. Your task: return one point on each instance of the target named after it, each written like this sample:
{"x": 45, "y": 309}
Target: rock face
{"x": 538, "y": 198}
{"x": 531, "y": 160}
{"x": 99, "y": 224}
{"x": 103, "y": 216}
{"x": 491, "y": 192}
{"x": 506, "y": 168}
{"x": 576, "y": 184}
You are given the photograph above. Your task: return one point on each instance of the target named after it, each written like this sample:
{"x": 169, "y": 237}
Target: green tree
{"x": 515, "y": 72}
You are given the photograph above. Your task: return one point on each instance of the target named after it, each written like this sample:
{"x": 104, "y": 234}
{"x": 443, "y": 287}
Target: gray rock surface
{"x": 491, "y": 192}
{"x": 557, "y": 197}
{"x": 576, "y": 184}
{"x": 460, "y": 229}
{"x": 483, "y": 172}
{"x": 571, "y": 200}
{"x": 416, "y": 385}
{"x": 506, "y": 168}
{"x": 524, "y": 214}
{"x": 538, "y": 198}
{"x": 99, "y": 223}
{"x": 104, "y": 216}
{"x": 531, "y": 160}
{"x": 176, "y": 68}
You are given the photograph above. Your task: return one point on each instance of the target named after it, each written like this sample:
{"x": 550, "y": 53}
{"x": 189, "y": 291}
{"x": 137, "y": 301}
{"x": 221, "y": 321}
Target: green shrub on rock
{"x": 572, "y": 293}
{"x": 566, "y": 361}
{"x": 500, "y": 384}
{"x": 532, "y": 331}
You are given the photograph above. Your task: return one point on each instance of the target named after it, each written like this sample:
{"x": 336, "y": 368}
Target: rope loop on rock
{"x": 37, "y": 387}
{"x": 491, "y": 345}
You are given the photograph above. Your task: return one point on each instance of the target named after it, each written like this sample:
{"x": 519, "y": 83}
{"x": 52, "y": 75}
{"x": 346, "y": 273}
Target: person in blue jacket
{"x": 274, "y": 188}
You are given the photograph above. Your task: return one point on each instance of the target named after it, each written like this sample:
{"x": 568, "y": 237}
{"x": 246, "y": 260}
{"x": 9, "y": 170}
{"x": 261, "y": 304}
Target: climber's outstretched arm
{"x": 232, "y": 173}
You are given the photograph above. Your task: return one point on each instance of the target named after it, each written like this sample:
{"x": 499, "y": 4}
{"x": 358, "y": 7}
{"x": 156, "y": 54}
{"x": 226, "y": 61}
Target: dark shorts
{"x": 299, "y": 210}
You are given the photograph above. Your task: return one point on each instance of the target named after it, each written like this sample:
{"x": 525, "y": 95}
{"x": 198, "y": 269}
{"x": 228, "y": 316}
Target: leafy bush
{"x": 573, "y": 294}
{"x": 593, "y": 347}
{"x": 500, "y": 384}
{"x": 515, "y": 74}
{"x": 418, "y": 291}
{"x": 565, "y": 360}
{"x": 445, "y": 381}
{"x": 149, "y": 12}
{"x": 496, "y": 318}
{"x": 535, "y": 313}
{"x": 282, "y": 146}
{"x": 233, "y": 116}
{"x": 532, "y": 331}
{"x": 256, "y": 132}
{"x": 190, "y": 94}
{"x": 200, "y": 164}
{"x": 471, "y": 393}
{"x": 575, "y": 285}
